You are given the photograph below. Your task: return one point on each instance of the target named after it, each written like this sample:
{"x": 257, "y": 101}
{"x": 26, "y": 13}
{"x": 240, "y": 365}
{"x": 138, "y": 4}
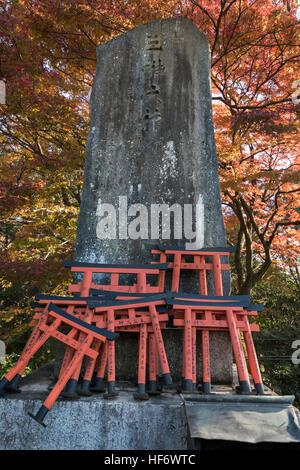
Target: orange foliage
{"x": 48, "y": 59}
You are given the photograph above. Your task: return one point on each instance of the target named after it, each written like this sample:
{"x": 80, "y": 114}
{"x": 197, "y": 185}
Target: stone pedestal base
{"x": 127, "y": 356}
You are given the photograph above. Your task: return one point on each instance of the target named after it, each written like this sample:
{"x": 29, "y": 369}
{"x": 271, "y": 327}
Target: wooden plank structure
{"x": 216, "y": 315}
{"x": 134, "y": 315}
{"x": 48, "y": 326}
{"x": 126, "y": 318}
{"x": 183, "y": 259}
{"x": 100, "y": 312}
{"x": 113, "y": 271}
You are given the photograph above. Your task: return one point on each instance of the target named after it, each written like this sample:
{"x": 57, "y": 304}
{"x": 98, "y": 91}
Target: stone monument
{"x": 151, "y": 150}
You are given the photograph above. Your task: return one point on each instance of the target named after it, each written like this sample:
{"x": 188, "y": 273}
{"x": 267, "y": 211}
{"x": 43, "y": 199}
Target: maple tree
{"x": 279, "y": 327}
{"x": 48, "y": 60}
{"x": 254, "y": 54}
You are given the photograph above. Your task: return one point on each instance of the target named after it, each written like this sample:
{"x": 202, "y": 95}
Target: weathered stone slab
{"x": 151, "y": 141}
{"x": 91, "y": 423}
{"x": 94, "y": 424}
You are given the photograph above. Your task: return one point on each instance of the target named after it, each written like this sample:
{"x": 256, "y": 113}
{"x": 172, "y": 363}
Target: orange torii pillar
{"x": 230, "y": 310}
{"x": 129, "y": 319}
{"x": 81, "y": 348}
{"x": 153, "y": 317}
{"x": 199, "y": 264}
{"x": 115, "y": 270}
